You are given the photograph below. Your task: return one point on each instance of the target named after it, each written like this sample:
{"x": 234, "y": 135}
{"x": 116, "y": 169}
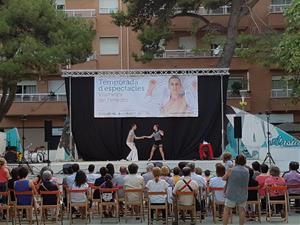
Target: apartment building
{"x": 262, "y": 89}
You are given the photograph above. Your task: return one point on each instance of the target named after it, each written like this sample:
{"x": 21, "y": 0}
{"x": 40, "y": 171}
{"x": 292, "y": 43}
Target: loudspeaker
{"x": 237, "y": 127}
{"x": 48, "y": 130}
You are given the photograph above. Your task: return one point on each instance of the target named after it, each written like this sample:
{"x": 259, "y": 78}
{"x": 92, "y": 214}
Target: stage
{"x": 203, "y": 164}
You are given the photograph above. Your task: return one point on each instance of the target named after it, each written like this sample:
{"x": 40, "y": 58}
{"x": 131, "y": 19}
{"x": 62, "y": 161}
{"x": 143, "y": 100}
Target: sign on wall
{"x": 159, "y": 96}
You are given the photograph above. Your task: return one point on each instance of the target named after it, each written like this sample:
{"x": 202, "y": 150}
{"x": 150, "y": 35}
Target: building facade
{"x": 262, "y": 89}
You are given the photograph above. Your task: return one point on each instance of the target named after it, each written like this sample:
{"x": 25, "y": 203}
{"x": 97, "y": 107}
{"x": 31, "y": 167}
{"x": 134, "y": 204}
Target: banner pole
{"x": 222, "y": 115}
{"x": 70, "y": 118}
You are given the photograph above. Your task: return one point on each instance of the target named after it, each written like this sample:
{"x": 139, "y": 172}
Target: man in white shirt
{"x": 91, "y": 176}
{"x": 199, "y": 179}
{"x": 133, "y": 155}
{"x": 133, "y": 181}
{"x": 185, "y": 185}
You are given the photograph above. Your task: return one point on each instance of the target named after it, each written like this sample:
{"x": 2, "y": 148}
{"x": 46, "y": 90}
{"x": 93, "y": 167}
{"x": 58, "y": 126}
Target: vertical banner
{"x": 145, "y": 96}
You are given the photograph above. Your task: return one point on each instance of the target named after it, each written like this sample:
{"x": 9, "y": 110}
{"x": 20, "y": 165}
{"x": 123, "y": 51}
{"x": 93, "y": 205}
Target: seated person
{"x": 103, "y": 171}
{"x": 14, "y": 174}
{"x": 23, "y": 184}
{"x": 292, "y": 177}
{"x": 157, "y": 185}
{"x": 48, "y": 185}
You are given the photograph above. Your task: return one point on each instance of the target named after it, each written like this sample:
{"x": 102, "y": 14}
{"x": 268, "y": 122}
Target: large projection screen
{"x": 146, "y": 96}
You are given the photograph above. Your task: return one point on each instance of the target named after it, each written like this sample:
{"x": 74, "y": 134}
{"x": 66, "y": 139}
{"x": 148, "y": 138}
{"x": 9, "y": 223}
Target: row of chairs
{"x": 99, "y": 205}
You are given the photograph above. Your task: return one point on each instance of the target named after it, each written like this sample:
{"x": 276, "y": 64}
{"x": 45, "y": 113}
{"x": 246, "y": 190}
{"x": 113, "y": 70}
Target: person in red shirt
{"x": 276, "y": 180}
{"x": 4, "y": 175}
{"x": 261, "y": 183}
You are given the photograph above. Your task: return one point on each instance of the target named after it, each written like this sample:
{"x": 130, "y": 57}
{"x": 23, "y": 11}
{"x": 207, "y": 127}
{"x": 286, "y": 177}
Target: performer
{"x": 133, "y": 155}
{"x": 157, "y": 135}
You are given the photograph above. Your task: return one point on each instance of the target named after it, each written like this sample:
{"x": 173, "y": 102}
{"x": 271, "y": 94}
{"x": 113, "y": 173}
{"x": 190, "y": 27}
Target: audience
{"x": 103, "y": 171}
{"x": 236, "y": 189}
{"x": 227, "y": 160}
{"x": 91, "y": 176}
{"x": 207, "y": 175}
{"x": 4, "y": 176}
{"x": 199, "y": 179}
{"x": 48, "y": 185}
{"x": 256, "y": 169}
{"x": 165, "y": 175}
{"x": 235, "y": 181}
{"x": 157, "y": 185}
{"x": 71, "y": 179}
{"x": 218, "y": 182}
{"x": 14, "y": 174}
{"x": 23, "y": 184}
{"x": 292, "y": 177}
{"x": 176, "y": 175}
{"x": 148, "y": 175}
{"x": 275, "y": 180}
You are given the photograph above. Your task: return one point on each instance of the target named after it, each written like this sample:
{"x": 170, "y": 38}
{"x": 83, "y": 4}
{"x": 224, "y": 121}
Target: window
{"x": 56, "y": 86}
{"x": 236, "y": 85}
{"x": 109, "y": 46}
{"x": 108, "y": 6}
{"x": 60, "y": 4}
{"x": 188, "y": 42}
{"x": 281, "y": 2}
{"x": 281, "y": 88}
{"x": 26, "y": 87}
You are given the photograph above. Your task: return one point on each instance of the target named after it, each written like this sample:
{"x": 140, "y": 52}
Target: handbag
{"x": 198, "y": 204}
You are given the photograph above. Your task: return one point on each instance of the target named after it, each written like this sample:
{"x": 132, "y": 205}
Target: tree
{"x": 277, "y": 50}
{"x": 152, "y": 19}
{"x": 36, "y": 40}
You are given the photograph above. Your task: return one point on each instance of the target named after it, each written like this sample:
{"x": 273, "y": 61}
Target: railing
{"x": 223, "y": 10}
{"x": 278, "y": 8}
{"x": 244, "y": 93}
{"x": 84, "y": 13}
{"x": 281, "y": 93}
{"x": 107, "y": 10}
{"x": 41, "y": 97}
{"x": 188, "y": 53}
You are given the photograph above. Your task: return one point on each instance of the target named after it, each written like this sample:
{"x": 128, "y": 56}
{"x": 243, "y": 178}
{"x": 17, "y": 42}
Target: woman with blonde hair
{"x": 157, "y": 185}
{"x": 165, "y": 175}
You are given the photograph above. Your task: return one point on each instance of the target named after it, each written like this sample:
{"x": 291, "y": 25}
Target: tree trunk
{"x": 232, "y": 34}
{"x": 7, "y": 98}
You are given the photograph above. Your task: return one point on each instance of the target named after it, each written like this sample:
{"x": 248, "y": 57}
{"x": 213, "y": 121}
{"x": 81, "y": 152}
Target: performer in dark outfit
{"x": 157, "y": 135}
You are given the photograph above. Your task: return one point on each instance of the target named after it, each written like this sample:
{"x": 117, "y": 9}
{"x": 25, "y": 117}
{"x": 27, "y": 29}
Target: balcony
{"x": 278, "y": 8}
{"x": 189, "y": 53}
{"x": 83, "y": 13}
{"x": 243, "y": 93}
{"x": 108, "y": 10}
{"x": 92, "y": 57}
{"x": 41, "y": 97}
{"x": 223, "y": 10}
{"x": 281, "y": 93}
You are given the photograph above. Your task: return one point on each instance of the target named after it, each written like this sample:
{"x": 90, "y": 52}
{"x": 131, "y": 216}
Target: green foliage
{"x": 35, "y": 39}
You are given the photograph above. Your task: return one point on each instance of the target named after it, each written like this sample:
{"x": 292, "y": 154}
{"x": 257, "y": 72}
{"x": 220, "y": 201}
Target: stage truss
{"x": 219, "y": 72}
{"x": 147, "y": 72}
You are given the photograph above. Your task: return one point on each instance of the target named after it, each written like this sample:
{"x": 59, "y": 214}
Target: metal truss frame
{"x": 147, "y": 72}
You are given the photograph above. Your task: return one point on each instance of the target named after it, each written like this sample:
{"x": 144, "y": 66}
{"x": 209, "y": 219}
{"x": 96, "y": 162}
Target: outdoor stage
{"x": 203, "y": 164}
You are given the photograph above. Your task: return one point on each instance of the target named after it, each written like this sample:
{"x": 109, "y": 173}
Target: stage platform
{"x": 57, "y": 166}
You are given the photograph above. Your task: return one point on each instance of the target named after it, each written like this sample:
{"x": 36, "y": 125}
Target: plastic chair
{"x": 273, "y": 202}
{"x": 114, "y": 203}
{"x": 28, "y": 208}
{"x": 56, "y": 207}
{"x": 84, "y": 205}
{"x": 139, "y": 203}
{"x": 5, "y": 205}
{"x": 256, "y": 202}
{"x": 214, "y": 202}
{"x": 191, "y": 208}
{"x": 157, "y": 207}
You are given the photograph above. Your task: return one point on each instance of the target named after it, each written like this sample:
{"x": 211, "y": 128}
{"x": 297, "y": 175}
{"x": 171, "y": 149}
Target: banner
{"x": 145, "y": 96}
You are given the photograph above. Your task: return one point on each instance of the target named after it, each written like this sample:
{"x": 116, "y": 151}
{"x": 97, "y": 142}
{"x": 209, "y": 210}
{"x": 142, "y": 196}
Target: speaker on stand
{"x": 48, "y": 137}
{"x": 237, "y": 122}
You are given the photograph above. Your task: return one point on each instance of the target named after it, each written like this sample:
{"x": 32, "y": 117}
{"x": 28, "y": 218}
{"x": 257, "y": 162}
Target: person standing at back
{"x": 237, "y": 189}
{"x": 4, "y": 175}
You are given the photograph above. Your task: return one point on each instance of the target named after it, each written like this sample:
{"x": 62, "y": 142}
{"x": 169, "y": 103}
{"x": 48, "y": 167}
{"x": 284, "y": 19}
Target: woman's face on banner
{"x": 175, "y": 86}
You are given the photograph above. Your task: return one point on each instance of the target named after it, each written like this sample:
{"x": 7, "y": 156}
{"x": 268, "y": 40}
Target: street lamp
{"x": 23, "y": 119}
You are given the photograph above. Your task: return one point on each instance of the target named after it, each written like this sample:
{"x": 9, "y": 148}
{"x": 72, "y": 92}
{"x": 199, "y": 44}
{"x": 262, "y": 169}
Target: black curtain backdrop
{"x": 105, "y": 138}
